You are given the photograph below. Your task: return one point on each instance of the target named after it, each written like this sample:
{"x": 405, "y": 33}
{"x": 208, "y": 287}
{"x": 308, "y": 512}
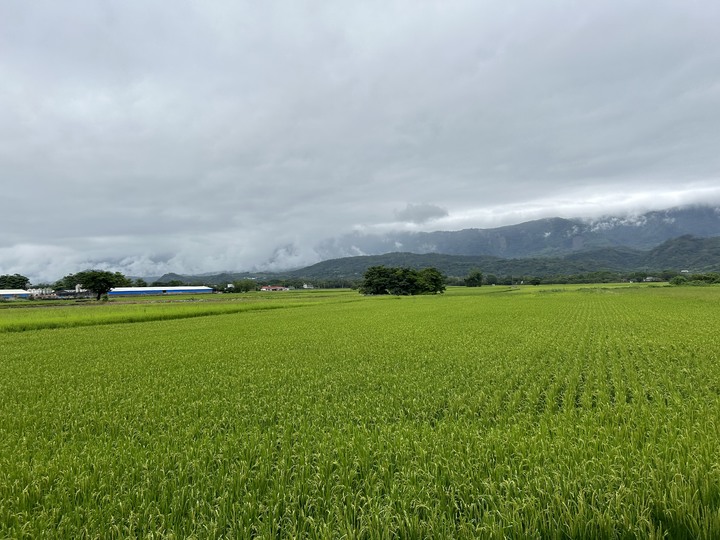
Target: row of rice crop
{"x": 481, "y": 413}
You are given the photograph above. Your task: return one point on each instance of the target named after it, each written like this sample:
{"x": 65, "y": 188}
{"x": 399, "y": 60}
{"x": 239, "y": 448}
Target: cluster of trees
{"x": 171, "y": 283}
{"x": 247, "y": 284}
{"x": 243, "y": 285}
{"x": 696, "y": 279}
{"x": 14, "y": 281}
{"x": 475, "y": 278}
{"x": 402, "y": 281}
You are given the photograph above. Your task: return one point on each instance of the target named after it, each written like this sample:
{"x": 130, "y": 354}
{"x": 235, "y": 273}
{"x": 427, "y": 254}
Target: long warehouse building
{"x": 143, "y": 291}
{"x": 8, "y": 294}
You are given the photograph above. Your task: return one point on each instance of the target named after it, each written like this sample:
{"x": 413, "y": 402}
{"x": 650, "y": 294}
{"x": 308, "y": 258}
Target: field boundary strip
{"x": 132, "y": 318}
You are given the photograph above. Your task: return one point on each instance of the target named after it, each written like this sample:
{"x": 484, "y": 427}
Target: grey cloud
{"x": 420, "y": 213}
{"x": 223, "y": 133}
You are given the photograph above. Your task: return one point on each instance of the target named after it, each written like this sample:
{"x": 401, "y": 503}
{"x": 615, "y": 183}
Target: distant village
{"x": 16, "y": 287}
{"x": 79, "y": 292}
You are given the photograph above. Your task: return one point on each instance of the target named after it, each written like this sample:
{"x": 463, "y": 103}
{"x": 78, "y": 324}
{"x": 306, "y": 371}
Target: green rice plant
{"x": 483, "y": 413}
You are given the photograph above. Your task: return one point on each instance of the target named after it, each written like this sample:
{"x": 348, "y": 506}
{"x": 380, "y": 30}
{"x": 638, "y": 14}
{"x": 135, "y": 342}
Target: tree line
{"x": 14, "y": 281}
{"x": 711, "y": 278}
{"x": 376, "y": 280}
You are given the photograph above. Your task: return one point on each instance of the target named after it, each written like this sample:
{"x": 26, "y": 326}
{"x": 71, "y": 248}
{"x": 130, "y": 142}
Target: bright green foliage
{"x": 484, "y": 413}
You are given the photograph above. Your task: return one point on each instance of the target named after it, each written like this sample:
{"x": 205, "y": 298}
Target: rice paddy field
{"x": 533, "y": 412}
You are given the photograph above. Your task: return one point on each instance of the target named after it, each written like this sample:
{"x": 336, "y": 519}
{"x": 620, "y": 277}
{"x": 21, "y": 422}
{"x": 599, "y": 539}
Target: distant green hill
{"x": 451, "y": 265}
{"x": 686, "y": 252}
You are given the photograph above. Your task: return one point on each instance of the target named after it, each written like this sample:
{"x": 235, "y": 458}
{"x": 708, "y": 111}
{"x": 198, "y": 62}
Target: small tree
{"x": 376, "y": 280}
{"x": 432, "y": 281}
{"x": 474, "y": 279}
{"x": 244, "y": 285}
{"x": 98, "y": 282}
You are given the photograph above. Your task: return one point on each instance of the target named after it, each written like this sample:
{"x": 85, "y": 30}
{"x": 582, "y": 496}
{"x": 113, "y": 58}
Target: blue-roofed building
{"x": 10, "y": 294}
{"x": 145, "y": 291}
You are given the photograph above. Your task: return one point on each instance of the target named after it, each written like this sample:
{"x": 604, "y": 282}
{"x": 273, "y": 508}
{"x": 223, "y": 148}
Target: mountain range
{"x": 683, "y": 238}
{"x": 696, "y": 255}
{"x": 550, "y": 237}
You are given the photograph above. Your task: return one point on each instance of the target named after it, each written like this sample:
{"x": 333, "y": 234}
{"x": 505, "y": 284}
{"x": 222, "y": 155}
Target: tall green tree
{"x": 432, "y": 281}
{"x": 98, "y": 282}
{"x": 404, "y": 282}
{"x": 244, "y": 285}
{"x": 15, "y": 281}
{"x": 474, "y": 278}
{"x": 377, "y": 280}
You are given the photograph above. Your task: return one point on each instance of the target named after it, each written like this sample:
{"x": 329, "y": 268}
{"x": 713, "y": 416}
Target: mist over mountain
{"x": 685, "y": 238}
{"x": 548, "y": 237}
{"x": 685, "y": 253}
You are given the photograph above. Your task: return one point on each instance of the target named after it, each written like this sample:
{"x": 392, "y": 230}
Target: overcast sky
{"x": 152, "y": 136}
